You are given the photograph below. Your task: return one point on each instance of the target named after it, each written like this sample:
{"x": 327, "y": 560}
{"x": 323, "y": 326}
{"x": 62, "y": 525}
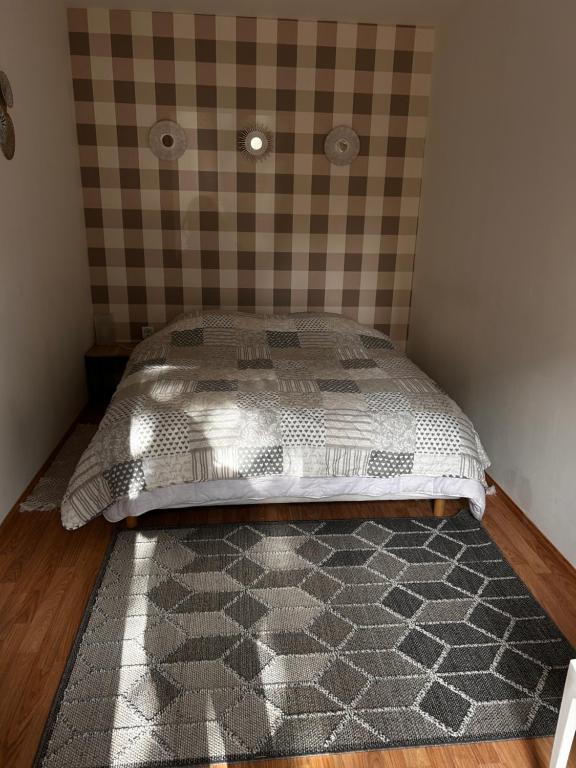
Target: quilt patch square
{"x": 290, "y": 400}
{"x": 282, "y": 365}
{"x": 257, "y": 400}
{"x": 297, "y": 384}
{"x": 346, "y": 461}
{"x": 353, "y": 401}
{"x": 394, "y": 432}
{"x": 437, "y": 433}
{"x": 266, "y": 382}
{"x": 388, "y": 402}
{"x": 337, "y": 385}
{"x": 166, "y": 470}
{"x": 126, "y": 478}
{"x": 430, "y": 402}
{"x": 400, "y": 367}
{"x": 260, "y": 427}
{"x": 192, "y": 337}
{"x": 320, "y": 339}
{"x": 349, "y": 427}
{"x": 253, "y": 351}
{"x": 215, "y": 426}
{"x": 162, "y": 433}
{"x": 359, "y": 362}
{"x": 385, "y": 464}
{"x": 377, "y": 385}
{"x": 304, "y": 460}
{"x": 257, "y": 462}
{"x": 311, "y": 323}
{"x": 217, "y": 320}
{"x": 217, "y": 385}
{"x": 220, "y": 336}
{"x": 376, "y": 342}
{"x": 433, "y": 464}
{"x": 304, "y": 426}
{"x": 283, "y": 338}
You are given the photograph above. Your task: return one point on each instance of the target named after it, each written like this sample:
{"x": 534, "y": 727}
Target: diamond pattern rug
{"x": 228, "y": 642}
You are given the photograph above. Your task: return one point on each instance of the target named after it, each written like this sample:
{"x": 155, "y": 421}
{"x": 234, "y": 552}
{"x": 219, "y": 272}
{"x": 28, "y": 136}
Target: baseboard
{"x": 43, "y": 468}
{"x": 525, "y": 520}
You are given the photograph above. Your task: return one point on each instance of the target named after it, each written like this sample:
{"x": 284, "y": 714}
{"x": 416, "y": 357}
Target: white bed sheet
{"x": 282, "y": 490}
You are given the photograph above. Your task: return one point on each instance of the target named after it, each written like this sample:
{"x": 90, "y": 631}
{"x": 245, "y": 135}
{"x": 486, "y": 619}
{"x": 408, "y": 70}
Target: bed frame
{"x": 439, "y": 511}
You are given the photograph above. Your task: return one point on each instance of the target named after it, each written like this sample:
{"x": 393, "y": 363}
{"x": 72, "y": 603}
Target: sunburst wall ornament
{"x": 255, "y": 142}
{"x": 6, "y": 94}
{"x": 7, "y": 135}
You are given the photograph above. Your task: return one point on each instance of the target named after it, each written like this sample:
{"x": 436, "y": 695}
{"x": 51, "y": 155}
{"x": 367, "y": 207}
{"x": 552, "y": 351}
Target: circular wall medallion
{"x": 6, "y": 90}
{"x": 255, "y": 142}
{"x": 341, "y": 145}
{"x": 7, "y": 137}
{"x": 3, "y": 125}
{"x": 167, "y": 140}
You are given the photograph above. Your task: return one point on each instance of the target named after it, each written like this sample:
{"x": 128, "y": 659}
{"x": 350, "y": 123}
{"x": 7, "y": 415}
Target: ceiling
{"x": 422, "y": 12}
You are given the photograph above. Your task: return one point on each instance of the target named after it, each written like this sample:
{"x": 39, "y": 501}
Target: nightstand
{"x": 104, "y": 368}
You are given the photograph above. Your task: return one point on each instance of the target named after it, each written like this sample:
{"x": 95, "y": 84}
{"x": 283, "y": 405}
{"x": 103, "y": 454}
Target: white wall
{"x": 494, "y": 302}
{"x": 45, "y": 313}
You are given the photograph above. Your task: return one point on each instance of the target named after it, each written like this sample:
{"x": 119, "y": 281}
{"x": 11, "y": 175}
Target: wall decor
{"x": 255, "y": 142}
{"x": 3, "y": 124}
{"x": 292, "y": 233}
{"x": 7, "y": 136}
{"x": 342, "y": 145}
{"x": 167, "y": 140}
{"x": 6, "y": 94}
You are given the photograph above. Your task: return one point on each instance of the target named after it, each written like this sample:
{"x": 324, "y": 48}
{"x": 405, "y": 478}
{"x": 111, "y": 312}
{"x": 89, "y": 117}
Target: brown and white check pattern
{"x": 290, "y": 233}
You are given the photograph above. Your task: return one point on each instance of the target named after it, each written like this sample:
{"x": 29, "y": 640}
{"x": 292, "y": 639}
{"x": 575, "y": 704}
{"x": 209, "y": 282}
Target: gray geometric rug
{"x": 229, "y": 642}
{"x": 49, "y": 491}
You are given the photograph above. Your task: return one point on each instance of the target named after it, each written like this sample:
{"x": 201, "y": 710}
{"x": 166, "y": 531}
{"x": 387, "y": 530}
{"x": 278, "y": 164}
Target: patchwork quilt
{"x": 227, "y": 395}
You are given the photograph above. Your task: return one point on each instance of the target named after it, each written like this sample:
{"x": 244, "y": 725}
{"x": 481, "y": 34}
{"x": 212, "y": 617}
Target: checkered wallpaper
{"x": 215, "y": 229}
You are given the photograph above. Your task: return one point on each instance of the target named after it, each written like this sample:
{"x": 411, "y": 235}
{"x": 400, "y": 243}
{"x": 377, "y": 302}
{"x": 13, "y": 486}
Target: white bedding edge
{"x": 282, "y": 490}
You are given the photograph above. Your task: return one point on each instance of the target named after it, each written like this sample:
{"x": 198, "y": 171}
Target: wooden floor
{"x": 46, "y": 575}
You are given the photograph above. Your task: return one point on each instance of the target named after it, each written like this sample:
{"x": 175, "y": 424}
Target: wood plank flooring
{"x": 46, "y": 575}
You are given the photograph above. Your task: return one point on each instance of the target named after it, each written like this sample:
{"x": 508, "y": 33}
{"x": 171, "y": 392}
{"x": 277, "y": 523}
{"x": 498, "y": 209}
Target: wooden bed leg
{"x": 439, "y": 507}
{"x": 131, "y": 522}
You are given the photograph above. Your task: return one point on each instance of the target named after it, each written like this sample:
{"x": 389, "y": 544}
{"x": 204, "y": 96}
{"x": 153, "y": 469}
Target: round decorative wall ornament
{"x": 255, "y": 142}
{"x": 167, "y": 140}
{"x": 342, "y": 145}
{"x": 6, "y": 94}
{"x": 7, "y": 136}
{"x": 3, "y": 125}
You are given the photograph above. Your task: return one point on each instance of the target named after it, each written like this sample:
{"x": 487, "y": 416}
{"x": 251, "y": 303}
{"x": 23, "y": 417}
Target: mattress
{"x": 230, "y": 407}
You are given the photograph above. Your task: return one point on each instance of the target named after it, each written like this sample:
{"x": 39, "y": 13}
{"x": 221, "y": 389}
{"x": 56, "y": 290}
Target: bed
{"x": 233, "y": 408}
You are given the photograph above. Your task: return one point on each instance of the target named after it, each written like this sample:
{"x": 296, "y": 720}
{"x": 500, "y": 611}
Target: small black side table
{"x": 104, "y": 368}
